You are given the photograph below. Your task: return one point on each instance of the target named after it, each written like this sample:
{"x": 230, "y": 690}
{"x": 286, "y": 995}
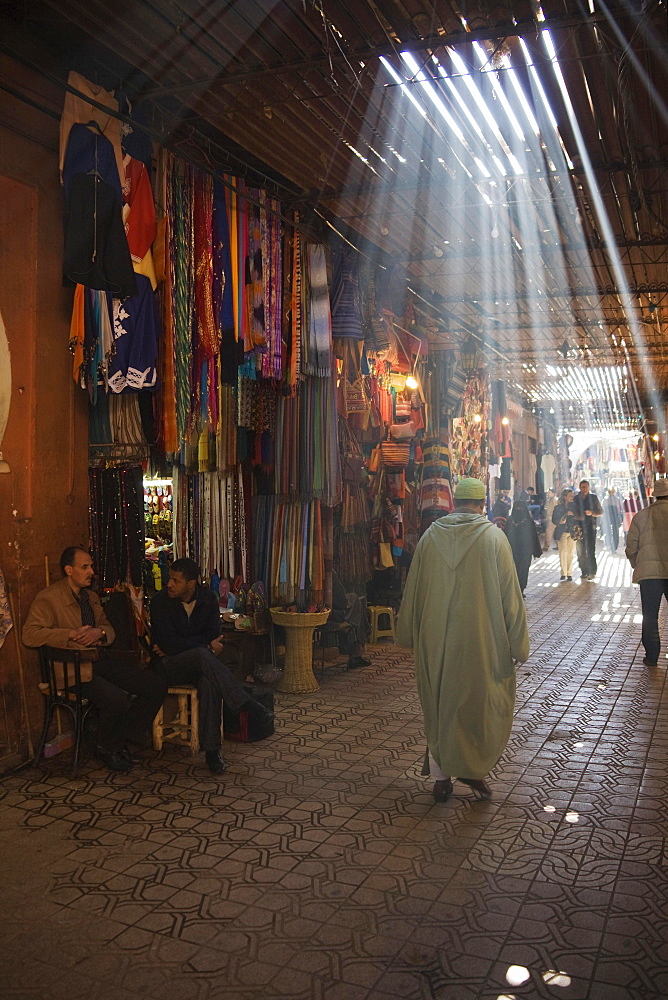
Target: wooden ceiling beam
{"x": 658, "y": 288}
{"x": 373, "y": 188}
{"x": 436, "y": 41}
{"x": 542, "y": 248}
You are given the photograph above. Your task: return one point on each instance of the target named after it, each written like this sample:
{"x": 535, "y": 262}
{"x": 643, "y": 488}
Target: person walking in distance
{"x": 463, "y": 615}
{"x": 522, "y": 534}
{"x": 612, "y": 518}
{"x": 587, "y": 512}
{"x": 647, "y": 551}
{"x": 563, "y": 518}
{"x": 630, "y": 507}
{"x": 550, "y": 504}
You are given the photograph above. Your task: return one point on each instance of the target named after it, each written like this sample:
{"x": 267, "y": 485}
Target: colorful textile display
{"x": 246, "y": 399}
{"x": 307, "y": 453}
{"x": 436, "y": 492}
{"x": 211, "y": 521}
{"x": 290, "y": 545}
{"x": 469, "y": 433}
{"x": 91, "y": 337}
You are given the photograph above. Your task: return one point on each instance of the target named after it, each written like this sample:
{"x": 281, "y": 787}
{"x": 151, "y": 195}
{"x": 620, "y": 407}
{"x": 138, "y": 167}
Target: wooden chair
{"x": 61, "y": 687}
{"x": 184, "y": 727}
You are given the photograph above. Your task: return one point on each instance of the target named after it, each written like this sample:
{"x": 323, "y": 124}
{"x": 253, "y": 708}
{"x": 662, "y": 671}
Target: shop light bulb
{"x": 477, "y": 418}
{"x": 656, "y": 456}
{"x": 505, "y": 421}
{"x": 411, "y": 382}
{"x": 655, "y": 437}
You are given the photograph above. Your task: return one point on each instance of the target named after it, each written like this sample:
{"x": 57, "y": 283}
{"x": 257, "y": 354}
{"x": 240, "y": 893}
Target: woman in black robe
{"x": 522, "y": 534}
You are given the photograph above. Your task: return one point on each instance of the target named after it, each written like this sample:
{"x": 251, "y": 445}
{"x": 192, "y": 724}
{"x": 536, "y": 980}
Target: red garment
{"x": 139, "y": 213}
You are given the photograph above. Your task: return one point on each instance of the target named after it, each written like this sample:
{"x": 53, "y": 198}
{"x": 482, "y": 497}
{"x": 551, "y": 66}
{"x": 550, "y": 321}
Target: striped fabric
{"x": 345, "y": 295}
{"x": 455, "y": 391}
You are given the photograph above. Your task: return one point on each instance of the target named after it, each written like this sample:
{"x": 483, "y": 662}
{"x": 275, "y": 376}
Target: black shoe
{"x": 129, "y": 755}
{"x": 358, "y": 661}
{"x": 477, "y": 785}
{"x": 442, "y": 790}
{"x": 561, "y": 579}
{"x": 115, "y": 760}
{"x": 569, "y": 579}
{"x": 258, "y": 712}
{"x": 215, "y": 762}
{"x": 650, "y": 663}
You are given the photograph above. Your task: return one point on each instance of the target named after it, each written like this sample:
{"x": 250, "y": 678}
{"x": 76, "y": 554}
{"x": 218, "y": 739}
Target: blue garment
{"x": 231, "y": 351}
{"x": 136, "y": 331}
{"x": 90, "y": 152}
{"x": 135, "y": 142}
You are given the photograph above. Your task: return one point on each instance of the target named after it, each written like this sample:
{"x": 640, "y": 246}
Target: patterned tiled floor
{"x": 319, "y": 868}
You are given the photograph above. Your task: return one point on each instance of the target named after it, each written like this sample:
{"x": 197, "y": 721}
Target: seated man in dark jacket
{"x": 185, "y": 630}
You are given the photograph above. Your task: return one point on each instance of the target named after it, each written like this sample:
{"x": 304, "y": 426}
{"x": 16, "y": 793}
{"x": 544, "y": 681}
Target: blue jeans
{"x": 586, "y": 550}
{"x": 651, "y": 592}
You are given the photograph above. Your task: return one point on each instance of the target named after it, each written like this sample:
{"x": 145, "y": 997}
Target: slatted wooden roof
{"x": 524, "y": 240}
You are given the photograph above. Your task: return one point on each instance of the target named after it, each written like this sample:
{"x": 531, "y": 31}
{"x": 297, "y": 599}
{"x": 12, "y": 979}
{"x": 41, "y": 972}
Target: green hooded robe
{"x": 463, "y": 615}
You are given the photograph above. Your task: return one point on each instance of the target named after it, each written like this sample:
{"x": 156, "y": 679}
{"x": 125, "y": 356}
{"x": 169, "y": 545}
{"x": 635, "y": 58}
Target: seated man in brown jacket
{"x": 68, "y": 614}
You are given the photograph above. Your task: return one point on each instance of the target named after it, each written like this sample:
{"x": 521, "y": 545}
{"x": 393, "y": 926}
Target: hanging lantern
{"x": 469, "y": 355}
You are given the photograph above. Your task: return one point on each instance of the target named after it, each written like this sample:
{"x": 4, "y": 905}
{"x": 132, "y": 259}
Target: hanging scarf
{"x": 231, "y": 351}
{"x": 77, "y": 333}
{"x": 272, "y": 363}
{"x": 167, "y": 398}
{"x": 181, "y": 263}
{"x": 256, "y": 289}
{"x": 295, "y": 341}
{"x": 318, "y": 320}
{"x": 207, "y": 332}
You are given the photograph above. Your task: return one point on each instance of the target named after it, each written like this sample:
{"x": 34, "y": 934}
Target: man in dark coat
{"x": 185, "y": 630}
{"x": 587, "y": 512}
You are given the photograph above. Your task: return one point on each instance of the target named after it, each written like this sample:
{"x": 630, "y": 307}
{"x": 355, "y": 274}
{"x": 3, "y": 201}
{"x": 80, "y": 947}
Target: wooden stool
{"x": 184, "y": 727}
{"x": 380, "y": 630}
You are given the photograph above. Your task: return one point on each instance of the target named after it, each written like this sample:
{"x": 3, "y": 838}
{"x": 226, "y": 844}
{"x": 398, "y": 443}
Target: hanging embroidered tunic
{"x": 133, "y": 365}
